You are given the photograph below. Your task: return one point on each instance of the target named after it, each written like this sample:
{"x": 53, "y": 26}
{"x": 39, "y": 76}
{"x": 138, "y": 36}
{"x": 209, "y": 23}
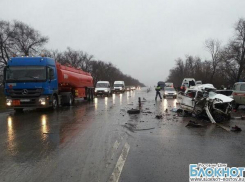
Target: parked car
{"x": 103, "y": 88}
{"x": 239, "y": 94}
{"x": 169, "y": 92}
{"x": 119, "y": 86}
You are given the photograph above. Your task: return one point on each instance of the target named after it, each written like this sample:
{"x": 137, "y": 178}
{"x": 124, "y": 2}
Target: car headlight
{"x": 106, "y": 90}
{"x": 175, "y": 93}
{"x": 42, "y": 101}
{"x": 120, "y": 88}
{"x": 8, "y": 102}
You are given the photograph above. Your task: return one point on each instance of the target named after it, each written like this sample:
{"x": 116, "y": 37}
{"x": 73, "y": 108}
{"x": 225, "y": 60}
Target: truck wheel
{"x": 18, "y": 110}
{"x": 71, "y": 100}
{"x": 54, "y": 103}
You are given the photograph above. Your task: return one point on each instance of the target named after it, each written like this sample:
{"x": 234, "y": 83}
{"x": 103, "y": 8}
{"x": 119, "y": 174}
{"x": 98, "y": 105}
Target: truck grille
{"x": 25, "y": 92}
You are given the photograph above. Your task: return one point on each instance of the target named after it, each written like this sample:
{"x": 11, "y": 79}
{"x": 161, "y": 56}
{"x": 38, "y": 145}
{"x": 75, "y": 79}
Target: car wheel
{"x": 18, "y": 110}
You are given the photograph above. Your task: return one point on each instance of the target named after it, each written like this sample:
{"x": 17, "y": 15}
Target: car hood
{"x": 224, "y": 98}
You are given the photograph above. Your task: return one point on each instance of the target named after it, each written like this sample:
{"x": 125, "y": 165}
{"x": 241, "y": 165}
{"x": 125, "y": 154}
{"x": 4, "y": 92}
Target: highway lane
{"x": 99, "y": 141}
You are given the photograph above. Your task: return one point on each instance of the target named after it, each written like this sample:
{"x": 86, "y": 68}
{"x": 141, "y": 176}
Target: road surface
{"x": 99, "y": 141}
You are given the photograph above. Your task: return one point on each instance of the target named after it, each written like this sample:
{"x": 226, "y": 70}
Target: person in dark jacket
{"x": 158, "y": 88}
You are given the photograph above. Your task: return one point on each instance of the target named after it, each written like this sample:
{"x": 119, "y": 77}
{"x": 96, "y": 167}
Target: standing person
{"x": 158, "y": 88}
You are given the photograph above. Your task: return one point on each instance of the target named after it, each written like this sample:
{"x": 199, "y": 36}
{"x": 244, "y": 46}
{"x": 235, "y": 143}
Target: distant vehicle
{"x": 169, "y": 92}
{"x": 239, "y": 94}
{"x": 103, "y": 88}
{"x": 41, "y": 82}
{"x": 132, "y": 88}
{"x": 127, "y": 88}
{"x": 187, "y": 83}
{"x": 199, "y": 82}
{"x": 119, "y": 86}
{"x": 161, "y": 84}
{"x": 169, "y": 84}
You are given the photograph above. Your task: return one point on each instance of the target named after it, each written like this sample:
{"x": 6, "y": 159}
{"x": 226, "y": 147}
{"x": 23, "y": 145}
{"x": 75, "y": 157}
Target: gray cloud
{"x": 141, "y": 37}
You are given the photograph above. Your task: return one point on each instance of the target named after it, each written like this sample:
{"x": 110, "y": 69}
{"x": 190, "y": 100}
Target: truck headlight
{"x": 8, "y": 102}
{"x": 42, "y": 101}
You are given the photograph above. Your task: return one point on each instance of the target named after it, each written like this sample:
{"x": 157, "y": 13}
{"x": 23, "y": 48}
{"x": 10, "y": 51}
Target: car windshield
{"x": 118, "y": 85}
{"x": 27, "y": 73}
{"x": 169, "y": 89}
{"x": 102, "y": 85}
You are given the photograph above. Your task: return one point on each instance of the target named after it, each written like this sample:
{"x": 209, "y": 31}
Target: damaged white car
{"x": 203, "y": 100}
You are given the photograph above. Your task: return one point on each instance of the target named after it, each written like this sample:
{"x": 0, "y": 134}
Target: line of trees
{"x": 18, "y": 38}
{"x": 225, "y": 66}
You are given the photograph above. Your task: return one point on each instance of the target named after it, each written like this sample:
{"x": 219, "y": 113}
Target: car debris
{"x": 202, "y": 100}
{"x": 158, "y": 117}
{"x": 133, "y": 111}
{"x": 236, "y": 129}
{"x": 193, "y": 124}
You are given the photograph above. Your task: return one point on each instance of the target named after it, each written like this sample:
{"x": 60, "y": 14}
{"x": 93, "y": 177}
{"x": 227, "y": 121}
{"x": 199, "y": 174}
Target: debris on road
{"x": 144, "y": 129}
{"x": 133, "y": 111}
{"x": 174, "y": 110}
{"x": 236, "y": 129}
{"x": 130, "y": 127}
{"x": 148, "y": 112}
{"x": 158, "y": 117}
{"x": 193, "y": 124}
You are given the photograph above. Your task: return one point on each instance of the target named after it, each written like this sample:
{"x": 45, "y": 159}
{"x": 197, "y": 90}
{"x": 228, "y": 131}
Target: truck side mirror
{"x": 51, "y": 74}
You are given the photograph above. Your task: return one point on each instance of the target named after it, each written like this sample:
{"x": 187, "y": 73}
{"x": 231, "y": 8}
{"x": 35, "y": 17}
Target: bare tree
{"x": 19, "y": 38}
{"x": 27, "y": 40}
{"x": 214, "y": 48}
{"x": 236, "y": 48}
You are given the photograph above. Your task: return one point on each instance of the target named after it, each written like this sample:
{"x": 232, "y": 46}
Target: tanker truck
{"x": 41, "y": 82}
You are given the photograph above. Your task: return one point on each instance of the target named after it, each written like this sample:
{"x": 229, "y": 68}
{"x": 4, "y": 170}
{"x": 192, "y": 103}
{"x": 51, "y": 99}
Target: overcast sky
{"x": 141, "y": 37}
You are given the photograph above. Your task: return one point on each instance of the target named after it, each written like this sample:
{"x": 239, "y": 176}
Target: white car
{"x": 103, "y": 88}
{"x": 169, "y": 92}
{"x": 203, "y": 100}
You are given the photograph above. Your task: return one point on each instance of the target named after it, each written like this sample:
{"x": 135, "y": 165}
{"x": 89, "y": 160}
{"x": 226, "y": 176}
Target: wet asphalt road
{"x": 99, "y": 141}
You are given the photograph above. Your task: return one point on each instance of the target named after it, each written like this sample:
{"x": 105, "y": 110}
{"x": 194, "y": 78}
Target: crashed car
{"x": 202, "y": 100}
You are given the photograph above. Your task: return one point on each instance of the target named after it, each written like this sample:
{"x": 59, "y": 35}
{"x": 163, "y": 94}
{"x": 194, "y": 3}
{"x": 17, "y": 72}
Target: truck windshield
{"x": 102, "y": 85}
{"x": 118, "y": 85}
{"x": 27, "y": 73}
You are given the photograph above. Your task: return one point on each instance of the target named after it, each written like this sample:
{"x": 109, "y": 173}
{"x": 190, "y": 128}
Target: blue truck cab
{"x": 31, "y": 82}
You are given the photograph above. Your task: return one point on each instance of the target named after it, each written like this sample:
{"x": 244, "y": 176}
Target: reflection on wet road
{"x": 90, "y": 141}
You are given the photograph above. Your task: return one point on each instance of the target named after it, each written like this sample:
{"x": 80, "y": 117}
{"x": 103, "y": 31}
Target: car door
{"x": 188, "y": 100}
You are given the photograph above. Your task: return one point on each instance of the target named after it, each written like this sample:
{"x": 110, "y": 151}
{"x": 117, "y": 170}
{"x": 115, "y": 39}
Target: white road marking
{"x": 114, "y": 148}
{"x": 120, "y": 163}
